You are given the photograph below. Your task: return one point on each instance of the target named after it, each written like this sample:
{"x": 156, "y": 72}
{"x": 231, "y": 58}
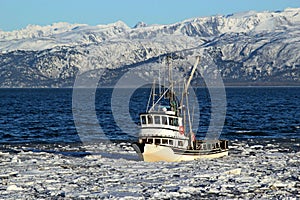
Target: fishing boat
{"x": 165, "y": 131}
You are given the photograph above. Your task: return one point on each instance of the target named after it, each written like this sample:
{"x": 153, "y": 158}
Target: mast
{"x": 159, "y": 82}
{"x": 185, "y": 95}
{"x": 191, "y": 133}
{"x": 171, "y": 96}
{"x": 170, "y": 79}
{"x": 153, "y": 93}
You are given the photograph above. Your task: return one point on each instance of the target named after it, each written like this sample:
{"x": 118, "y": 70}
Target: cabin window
{"x": 217, "y": 145}
{"x": 164, "y": 120}
{"x": 171, "y": 121}
{"x": 204, "y": 146}
{"x": 150, "y": 140}
{"x": 157, "y": 141}
{"x": 170, "y": 142}
{"x": 150, "y": 120}
{"x": 198, "y": 146}
{"x": 222, "y": 145}
{"x": 180, "y": 143}
{"x": 157, "y": 119}
{"x": 164, "y": 141}
{"x": 208, "y": 146}
{"x": 175, "y": 123}
{"x": 143, "y": 119}
{"x": 144, "y": 140}
{"x": 213, "y": 146}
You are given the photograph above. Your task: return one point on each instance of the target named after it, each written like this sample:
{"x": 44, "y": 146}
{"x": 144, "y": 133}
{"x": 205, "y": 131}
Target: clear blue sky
{"x": 17, "y": 14}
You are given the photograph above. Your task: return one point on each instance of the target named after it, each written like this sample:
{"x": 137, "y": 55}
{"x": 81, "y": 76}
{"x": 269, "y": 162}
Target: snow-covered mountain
{"x": 248, "y": 48}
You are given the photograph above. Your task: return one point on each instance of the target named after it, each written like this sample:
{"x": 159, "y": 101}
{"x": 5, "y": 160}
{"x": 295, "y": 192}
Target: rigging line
{"x": 153, "y": 92}
{"x": 148, "y": 104}
{"x": 189, "y": 115}
{"x": 184, "y": 112}
{"x": 195, "y": 103}
{"x": 164, "y": 71}
{"x": 161, "y": 97}
{"x": 159, "y": 81}
{"x": 193, "y": 112}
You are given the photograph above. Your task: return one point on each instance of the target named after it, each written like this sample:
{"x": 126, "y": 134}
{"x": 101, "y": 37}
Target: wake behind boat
{"x": 166, "y": 133}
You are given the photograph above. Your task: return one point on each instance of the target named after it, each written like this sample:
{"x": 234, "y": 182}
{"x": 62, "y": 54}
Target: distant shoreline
{"x": 226, "y": 85}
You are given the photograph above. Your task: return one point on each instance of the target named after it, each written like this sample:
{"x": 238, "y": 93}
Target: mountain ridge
{"x": 250, "y": 47}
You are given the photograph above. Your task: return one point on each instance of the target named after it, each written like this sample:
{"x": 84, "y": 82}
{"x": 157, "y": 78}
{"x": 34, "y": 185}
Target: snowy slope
{"x": 247, "y": 47}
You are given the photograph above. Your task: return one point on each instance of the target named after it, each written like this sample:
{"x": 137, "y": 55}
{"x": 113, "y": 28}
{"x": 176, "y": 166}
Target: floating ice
{"x": 102, "y": 174}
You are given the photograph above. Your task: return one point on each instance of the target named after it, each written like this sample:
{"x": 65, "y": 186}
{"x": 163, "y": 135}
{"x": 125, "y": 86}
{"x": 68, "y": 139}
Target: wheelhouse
{"x": 160, "y": 120}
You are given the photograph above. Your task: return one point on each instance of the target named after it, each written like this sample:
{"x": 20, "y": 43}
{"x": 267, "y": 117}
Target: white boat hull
{"x": 155, "y": 153}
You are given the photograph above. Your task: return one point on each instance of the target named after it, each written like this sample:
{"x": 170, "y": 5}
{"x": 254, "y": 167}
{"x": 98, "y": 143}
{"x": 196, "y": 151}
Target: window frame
{"x": 157, "y": 139}
{"x": 157, "y": 117}
{"x": 143, "y": 119}
{"x": 149, "y": 119}
{"x": 164, "y": 120}
{"x": 180, "y": 143}
{"x": 150, "y": 140}
{"x": 164, "y": 141}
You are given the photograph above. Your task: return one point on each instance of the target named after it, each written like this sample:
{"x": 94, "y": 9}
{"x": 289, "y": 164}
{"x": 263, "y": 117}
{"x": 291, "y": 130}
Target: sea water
{"x": 46, "y": 115}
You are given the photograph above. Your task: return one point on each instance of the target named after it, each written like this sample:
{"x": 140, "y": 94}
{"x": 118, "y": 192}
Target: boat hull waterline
{"x": 156, "y": 153}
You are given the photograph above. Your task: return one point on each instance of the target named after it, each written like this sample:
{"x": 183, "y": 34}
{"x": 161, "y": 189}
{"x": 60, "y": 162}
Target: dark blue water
{"x": 45, "y": 115}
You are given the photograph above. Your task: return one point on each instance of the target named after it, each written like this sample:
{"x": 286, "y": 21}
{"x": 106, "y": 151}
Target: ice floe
{"x": 101, "y": 171}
